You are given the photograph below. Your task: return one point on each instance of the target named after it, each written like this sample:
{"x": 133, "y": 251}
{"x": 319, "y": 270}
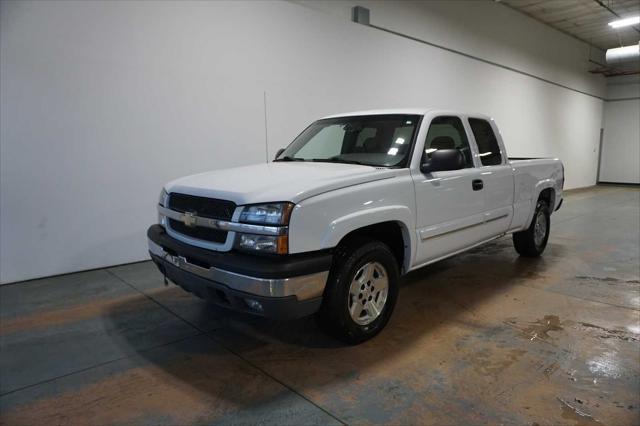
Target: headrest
{"x": 371, "y": 145}
{"x": 443, "y": 142}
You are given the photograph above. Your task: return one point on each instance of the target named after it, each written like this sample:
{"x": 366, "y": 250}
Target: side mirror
{"x": 280, "y": 151}
{"x": 442, "y": 160}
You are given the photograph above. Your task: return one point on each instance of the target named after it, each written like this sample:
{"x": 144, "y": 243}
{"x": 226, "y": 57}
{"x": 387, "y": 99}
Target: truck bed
{"x": 531, "y": 172}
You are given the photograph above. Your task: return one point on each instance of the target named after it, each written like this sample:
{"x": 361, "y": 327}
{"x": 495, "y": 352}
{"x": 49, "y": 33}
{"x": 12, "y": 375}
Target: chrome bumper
{"x": 302, "y": 287}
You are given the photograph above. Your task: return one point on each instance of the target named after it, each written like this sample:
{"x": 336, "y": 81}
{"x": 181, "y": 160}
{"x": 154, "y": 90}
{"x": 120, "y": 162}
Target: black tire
{"x": 525, "y": 242}
{"x": 334, "y": 313}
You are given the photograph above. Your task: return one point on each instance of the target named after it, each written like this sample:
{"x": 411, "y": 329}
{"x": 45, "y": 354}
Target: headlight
{"x": 267, "y": 214}
{"x": 264, "y": 243}
{"x": 163, "y": 200}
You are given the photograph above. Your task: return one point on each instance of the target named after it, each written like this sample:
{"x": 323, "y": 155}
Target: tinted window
{"x": 447, "y": 133}
{"x": 488, "y": 148}
{"x": 326, "y": 143}
{"x": 376, "y": 140}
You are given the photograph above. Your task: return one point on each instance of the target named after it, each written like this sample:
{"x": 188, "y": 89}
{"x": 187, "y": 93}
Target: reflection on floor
{"x": 485, "y": 337}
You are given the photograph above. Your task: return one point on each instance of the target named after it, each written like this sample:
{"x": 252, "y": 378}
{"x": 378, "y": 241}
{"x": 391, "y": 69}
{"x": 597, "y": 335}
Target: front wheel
{"x": 532, "y": 241}
{"x": 361, "y": 291}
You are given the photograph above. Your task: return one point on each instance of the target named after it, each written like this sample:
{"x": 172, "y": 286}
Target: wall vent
{"x": 360, "y": 15}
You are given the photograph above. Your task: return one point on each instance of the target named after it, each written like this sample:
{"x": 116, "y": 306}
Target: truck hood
{"x": 279, "y": 181}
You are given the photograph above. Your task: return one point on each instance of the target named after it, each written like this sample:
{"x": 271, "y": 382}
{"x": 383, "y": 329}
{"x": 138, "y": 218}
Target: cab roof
{"x": 407, "y": 111}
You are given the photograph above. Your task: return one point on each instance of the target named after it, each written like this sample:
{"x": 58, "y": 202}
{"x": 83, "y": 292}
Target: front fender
{"x": 344, "y": 225}
{"x": 320, "y": 222}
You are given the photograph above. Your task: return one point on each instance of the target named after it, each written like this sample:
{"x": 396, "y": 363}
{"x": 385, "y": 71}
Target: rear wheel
{"x": 361, "y": 291}
{"x": 533, "y": 241}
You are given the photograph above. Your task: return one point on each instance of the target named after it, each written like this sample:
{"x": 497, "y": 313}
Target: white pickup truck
{"x": 354, "y": 202}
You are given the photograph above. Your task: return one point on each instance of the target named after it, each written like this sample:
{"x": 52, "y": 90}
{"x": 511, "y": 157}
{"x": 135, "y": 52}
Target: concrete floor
{"x": 485, "y": 337}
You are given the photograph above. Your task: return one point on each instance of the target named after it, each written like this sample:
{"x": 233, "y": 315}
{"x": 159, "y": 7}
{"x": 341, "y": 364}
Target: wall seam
{"x": 622, "y": 99}
{"x": 486, "y": 61}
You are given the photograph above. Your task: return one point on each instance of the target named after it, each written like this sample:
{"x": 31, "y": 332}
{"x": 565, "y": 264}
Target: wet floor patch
{"x": 608, "y": 333}
{"x": 608, "y": 280}
{"x": 538, "y": 329}
{"x": 575, "y": 415}
{"x": 493, "y": 363}
{"x": 541, "y": 329}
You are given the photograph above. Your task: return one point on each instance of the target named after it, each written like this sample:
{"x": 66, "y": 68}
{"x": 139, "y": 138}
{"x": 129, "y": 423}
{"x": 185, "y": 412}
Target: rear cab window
{"x": 488, "y": 147}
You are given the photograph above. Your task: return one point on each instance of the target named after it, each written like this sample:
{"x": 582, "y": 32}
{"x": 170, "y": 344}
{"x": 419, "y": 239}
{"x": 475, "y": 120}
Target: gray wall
{"x": 103, "y": 102}
{"x": 620, "y": 160}
{"x": 484, "y": 29}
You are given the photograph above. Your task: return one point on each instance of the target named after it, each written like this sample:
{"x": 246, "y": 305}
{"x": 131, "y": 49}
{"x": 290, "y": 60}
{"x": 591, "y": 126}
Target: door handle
{"x": 477, "y": 184}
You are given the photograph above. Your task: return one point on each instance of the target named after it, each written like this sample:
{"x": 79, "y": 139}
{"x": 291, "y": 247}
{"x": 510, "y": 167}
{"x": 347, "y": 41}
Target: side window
{"x": 488, "y": 148}
{"x": 447, "y": 133}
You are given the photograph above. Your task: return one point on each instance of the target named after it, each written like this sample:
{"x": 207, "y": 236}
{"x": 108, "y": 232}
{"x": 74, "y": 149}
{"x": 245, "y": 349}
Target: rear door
{"x": 450, "y": 207}
{"x": 496, "y": 174}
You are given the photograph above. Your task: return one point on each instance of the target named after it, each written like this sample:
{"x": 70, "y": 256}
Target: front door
{"x": 450, "y": 205}
{"x": 497, "y": 177}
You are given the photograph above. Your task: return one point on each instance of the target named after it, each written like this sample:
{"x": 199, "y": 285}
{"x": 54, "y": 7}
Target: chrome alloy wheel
{"x": 540, "y": 228}
{"x": 368, "y": 293}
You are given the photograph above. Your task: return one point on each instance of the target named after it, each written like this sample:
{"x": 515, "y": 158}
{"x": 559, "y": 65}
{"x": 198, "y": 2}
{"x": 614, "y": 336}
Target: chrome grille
{"x": 211, "y": 208}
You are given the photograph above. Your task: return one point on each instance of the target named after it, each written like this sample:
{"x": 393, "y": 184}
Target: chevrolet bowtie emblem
{"x": 189, "y": 219}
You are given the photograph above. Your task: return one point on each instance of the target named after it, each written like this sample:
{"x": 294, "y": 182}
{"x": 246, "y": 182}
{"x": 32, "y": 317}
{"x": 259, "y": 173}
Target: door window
{"x": 447, "y": 133}
{"x": 488, "y": 148}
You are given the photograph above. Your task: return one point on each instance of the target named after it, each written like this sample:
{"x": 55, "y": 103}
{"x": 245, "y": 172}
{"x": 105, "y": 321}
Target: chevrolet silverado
{"x": 353, "y": 203}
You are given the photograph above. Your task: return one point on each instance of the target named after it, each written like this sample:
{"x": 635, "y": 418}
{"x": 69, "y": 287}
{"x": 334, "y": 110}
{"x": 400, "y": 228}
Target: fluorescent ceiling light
{"x": 625, "y": 22}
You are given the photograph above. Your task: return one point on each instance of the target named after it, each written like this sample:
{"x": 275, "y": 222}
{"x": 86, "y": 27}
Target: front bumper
{"x": 277, "y": 287}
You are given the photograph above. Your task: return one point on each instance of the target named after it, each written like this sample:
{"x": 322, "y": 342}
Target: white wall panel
{"x": 620, "y": 161}
{"x": 103, "y": 102}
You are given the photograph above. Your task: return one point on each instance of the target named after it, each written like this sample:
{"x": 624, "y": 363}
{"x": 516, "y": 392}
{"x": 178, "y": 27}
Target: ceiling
{"x": 585, "y": 19}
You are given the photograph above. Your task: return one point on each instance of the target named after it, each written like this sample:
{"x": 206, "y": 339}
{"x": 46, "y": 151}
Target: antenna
{"x": 266, "y": 142}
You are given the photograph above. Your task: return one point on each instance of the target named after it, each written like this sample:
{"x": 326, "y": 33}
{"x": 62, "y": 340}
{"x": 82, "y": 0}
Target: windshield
{"x": 372, "y": 140}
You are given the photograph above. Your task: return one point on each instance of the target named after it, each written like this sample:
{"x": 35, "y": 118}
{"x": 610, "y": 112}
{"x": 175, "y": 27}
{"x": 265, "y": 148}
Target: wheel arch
{"x": 391, "y": 225}
{"x": 544, "y": 190}
{"x": 548, "y": 194}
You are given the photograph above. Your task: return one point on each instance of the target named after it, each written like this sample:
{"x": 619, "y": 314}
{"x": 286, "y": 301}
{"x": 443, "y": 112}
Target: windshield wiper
{"x": 288, "y": 158}
{"x": 339, "y": 160}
